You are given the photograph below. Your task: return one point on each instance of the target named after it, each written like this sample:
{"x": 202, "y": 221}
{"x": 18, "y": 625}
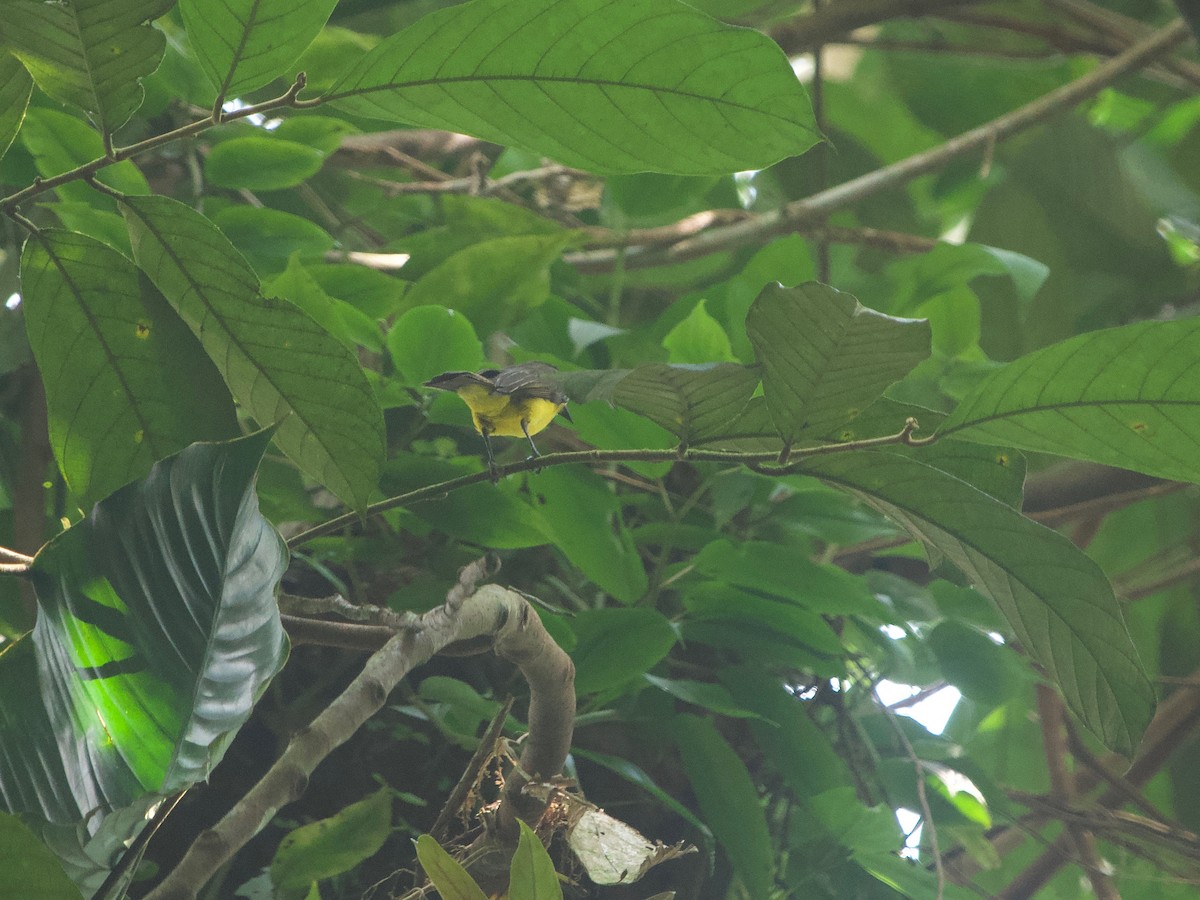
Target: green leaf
{"x": 1057, "y": 601}
{"x": 785, "y": 725}
{"x": 729, "y": 801}
{"x": 618, "y": 645}
{"x": 698, "y": 339}
{"x": 243, "y": 45}
{"x": 782, "y": 617}
{"x": 825, "y": 357}
{"x": 429, "y": 340}
{"x": 780, "y": 571}
{"x": 266, "y": 234}
{"x": 583, "y": 519}
{"x": 493, "y": 282}
{"x": 15, "y": 87}
{"x": 343, "y": 321}
{"x": 88, "y": 53}
{"x": 637, "y": 776}
{"x": 1127, "y": 397}
{"x": 334, "y": 845}
{"x": 973, "y": 663}
{"x": 710, "y": 696}
{"x": 27, "y": 867}
{"x": 261, "y": 163}
{"x": 126, "y": 382}
{"x": 157, "y": 632}
{"x": 532, "y": 875}
{"x": 507, "y": 71}
{"x": 693, "y": 403}
{"x": 447, "y": 874}
{"x": 279, "y": 364}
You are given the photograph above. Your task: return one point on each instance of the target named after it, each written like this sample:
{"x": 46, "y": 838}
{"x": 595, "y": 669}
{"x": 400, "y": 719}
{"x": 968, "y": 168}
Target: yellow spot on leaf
{"x": 143, "y": 330}
{"x": 1003, "y": 459}
{"x": 139, "y": 436}
{"x": 1139, "y": 427}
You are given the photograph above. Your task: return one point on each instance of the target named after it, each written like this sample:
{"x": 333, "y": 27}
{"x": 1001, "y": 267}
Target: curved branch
{"x": 815, "y": 209}
{"x": 517, "y": 634}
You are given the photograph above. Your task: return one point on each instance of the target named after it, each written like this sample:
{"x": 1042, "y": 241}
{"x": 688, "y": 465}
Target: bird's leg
{"x": 532, "y": 445}
{"x": 487, "y": 445}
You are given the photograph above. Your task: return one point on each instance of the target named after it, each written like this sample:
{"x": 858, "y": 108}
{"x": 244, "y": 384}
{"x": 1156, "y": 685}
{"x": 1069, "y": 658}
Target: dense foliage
{"x": 876, "y": 321}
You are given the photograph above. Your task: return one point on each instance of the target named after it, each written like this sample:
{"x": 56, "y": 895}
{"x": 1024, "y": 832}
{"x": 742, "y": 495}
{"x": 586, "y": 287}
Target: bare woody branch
{"x": 516, "y": 634}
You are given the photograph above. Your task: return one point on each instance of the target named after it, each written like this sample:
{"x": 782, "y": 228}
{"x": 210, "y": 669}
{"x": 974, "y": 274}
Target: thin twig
{"x": 903, "y": 437}
{"x": 922, "y": 798}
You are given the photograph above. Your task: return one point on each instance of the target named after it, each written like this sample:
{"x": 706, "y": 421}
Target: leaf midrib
{"x": 1066, "y": 404}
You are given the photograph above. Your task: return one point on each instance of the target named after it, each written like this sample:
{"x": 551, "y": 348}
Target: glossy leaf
{"x": 593, "y": 84}
{"x": 261, "y": 163}
{"x": 245, "y": 44}
{"x": 88, "y": 53}
{"x": 334, "y": 845}
{"x": 1057, "y": 601}
{"x": 532, "y": 875}
{"x": 126, "y": 382}
{"x": 279, "y": 364}
{"x": 825, "y": 357}
{"x": 1127, "y": 397}
{"x": 15, "y": 88}
{"x": 158, "y": 631}
{"x": 446, "y": 873}
{"x": 728, "y": 799}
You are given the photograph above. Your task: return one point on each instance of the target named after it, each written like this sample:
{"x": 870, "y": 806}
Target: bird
{"x": 510, "y": 402}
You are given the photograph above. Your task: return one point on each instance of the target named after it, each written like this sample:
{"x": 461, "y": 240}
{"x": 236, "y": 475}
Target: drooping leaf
{"x": 532, "y": 875}
{"x": 1057, "y": 601}
{"x": 508, "y": 72}
{"x": 825, "y": 357}
{"x": 279, "y": 364}
{"x": 334, "y": 845}
{"x": 15, "y": 88}
{"x": 583, "y": 519}
{"x": 728, "y": 799}
{"x": 126, "y": 382}
{"x": 243, "y": 45}
{"x": 447, "y": 874}
{"x": 158, "y": 630}
{"x": 88, "y": 53}
{"x": 1127, "y": 397}
{"x": 261, "y": 163}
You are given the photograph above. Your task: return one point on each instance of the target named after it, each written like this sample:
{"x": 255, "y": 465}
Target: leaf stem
{"x": 9, "y": 204}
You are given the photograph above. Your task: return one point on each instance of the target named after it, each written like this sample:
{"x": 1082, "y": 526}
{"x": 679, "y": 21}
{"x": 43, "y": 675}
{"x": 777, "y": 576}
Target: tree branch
{"x": 815, "y": 209}
{"x": 517, "y": 635}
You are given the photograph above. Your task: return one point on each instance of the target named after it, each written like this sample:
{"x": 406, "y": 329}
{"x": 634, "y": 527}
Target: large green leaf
{"x": 245, "y": 44}
{"x": 261, "y": 163}
{"x": 452, "y": 881}
{"x": 532, "y": 875}
{"x": 729, "y": 801}
{"x": 15, "y": 88}
{"x": 642, "y": 85}
{"x": 158, "y": 630}
{"x": 126, "y": 382}
{"x": 1127, "y": 397}
{"x": 332, "y": 846}
{"x": 1058, "y": 602}
{"x": 825, "y": 357}
{"x": 279, "y": 363}
{"x": 618, "y": 645}
{"x": 88, "y": 53}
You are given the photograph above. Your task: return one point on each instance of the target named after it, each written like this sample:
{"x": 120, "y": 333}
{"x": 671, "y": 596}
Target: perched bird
{"x": 514, "y": 401}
